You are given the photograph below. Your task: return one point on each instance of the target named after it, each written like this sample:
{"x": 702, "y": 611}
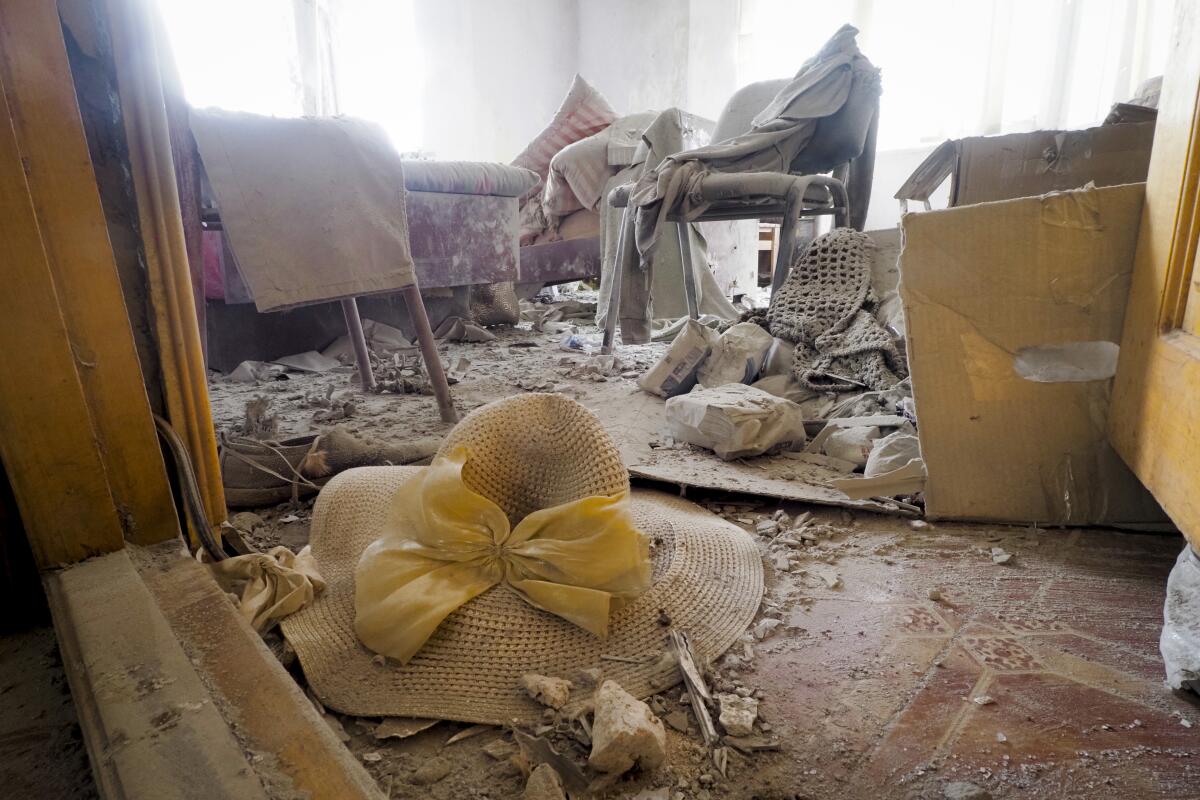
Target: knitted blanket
{"x": 825, "y": 307}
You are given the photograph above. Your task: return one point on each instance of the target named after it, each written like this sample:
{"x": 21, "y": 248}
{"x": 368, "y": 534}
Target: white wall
{"x": 494, "y": 73}
{"x": 655, "y": 55}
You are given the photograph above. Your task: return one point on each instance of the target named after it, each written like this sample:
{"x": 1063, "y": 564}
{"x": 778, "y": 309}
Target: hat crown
{"x": 535, "y": 451}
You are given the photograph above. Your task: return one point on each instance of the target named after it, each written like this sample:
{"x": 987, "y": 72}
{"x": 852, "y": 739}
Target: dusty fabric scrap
{"x": 276, "y": 583}
{"x": 825, "y": 306}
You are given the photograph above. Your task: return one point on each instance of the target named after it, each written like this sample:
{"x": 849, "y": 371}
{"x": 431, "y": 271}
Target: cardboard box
{"x": 987, "y": 168}
{"x": 981, "y": 286}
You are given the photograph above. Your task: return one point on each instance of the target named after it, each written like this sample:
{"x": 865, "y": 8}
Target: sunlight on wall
{"x": 953, "y": 69}
{"x": 243, "y": 56}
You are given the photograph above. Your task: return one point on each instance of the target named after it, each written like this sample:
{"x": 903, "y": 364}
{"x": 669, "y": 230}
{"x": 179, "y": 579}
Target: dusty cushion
{"x": 577, "y": 176}
{"x": 468, "y": 177}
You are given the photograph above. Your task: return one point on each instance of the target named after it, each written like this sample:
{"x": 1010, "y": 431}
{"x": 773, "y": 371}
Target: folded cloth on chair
{"x": 776, "y": 137}
{"x": 313, "y": 207}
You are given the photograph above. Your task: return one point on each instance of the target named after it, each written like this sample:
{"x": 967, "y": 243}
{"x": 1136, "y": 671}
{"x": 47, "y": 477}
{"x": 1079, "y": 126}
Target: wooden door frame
{"x": 1152, "y": 424}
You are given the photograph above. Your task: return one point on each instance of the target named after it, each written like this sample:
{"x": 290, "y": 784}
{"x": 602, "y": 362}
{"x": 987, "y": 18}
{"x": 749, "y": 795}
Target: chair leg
{"x": 614, "y": 288}
{"x": 787, "y": 244}
{"x": 429, "y": 354}
{"x": 689, "y": 275}
{"x": 358, "y": 341}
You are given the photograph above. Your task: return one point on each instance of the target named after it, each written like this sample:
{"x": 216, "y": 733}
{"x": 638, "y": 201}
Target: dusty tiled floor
{"x": 871, "y": 687}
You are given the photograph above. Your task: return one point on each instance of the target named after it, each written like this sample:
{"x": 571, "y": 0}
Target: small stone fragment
{"x": 781, "y": 562}
{"x": 983, "y": 700}
{"x": 1000, "y": 737}
{"x": 544, "y": 784}
{"x": 935, "y": 594}
{"x": 767, "y": 527}
{"x": 500, "y": 749}
{"x": 677, "y": 720}
{"x": 552, "y": 692}
{"x": 1001, "y": 556}
{"x": 962, "y": 790}
{"x": 737, "y": 714}
{"x": 625, "y": 732}
{"x": 431, "y": 771}
{"x": 372, "y": 757}
{"x": 766, "y": 627}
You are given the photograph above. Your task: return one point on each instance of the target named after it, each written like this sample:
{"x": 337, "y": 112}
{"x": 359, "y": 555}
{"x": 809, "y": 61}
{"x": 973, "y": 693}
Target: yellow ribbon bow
{"x": 446, "y": 544}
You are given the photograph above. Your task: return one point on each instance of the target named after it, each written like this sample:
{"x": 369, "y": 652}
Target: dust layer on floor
{"x": 42, "y": 754}
{"x": 894, "y": 660}
{"x": 902, "y": 661}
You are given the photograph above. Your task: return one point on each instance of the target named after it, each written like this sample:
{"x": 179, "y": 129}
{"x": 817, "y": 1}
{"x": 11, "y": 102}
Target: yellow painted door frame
{"x": 76, "y": 431}
{"x": 1154, "y": 420}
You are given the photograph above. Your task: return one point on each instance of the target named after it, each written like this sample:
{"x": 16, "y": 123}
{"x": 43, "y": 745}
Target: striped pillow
{"x": 583, "y": 112}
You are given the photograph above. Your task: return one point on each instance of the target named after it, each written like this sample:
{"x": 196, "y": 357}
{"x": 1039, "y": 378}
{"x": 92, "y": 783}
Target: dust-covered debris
{"x": 625, "y": 732}
{"x": 737, "y": 714}
{"x": 544, "y": 784}
{"x": 552, "y": 692}
{"x": 1001, "y": 556}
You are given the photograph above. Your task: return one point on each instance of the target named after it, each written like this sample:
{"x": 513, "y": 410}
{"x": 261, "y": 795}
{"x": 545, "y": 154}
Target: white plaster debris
{"x": 737, "y": 714}
{"x": 1001, "y": 556}
{"x": 625, "y": 732}
{"x": 765, "y": 628}
{"x": 983, "y": 700}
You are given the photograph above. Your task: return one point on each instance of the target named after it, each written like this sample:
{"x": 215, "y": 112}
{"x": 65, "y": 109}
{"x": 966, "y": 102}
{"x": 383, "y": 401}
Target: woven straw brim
{"x": 708, "y": 581}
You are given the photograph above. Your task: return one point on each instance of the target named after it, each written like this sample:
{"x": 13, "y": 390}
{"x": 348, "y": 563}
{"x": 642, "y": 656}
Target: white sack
{"x": 735, "y": 421}
{"x": 675, "y": 372}
{"x": 892, "y": 452}
{"x": 852, "y": 444}
{"x": 737, "y": 356}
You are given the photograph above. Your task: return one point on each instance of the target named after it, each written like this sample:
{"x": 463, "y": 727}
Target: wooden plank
{"x": 46, "y": 440}
{"x": 49, "y": 132}
{"x": 259, "y": 698}
{"x": 1154, "y": 423}
{"x": 150, "y": 726}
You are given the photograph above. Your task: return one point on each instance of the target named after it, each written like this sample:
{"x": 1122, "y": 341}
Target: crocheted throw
{"x": 826, "y": 308}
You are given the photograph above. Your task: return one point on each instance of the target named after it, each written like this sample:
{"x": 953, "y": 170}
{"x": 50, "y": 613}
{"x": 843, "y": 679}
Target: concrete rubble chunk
{"x": 737, "y": 714}
{"x": 1000, "y": 555}
{"x": 552, "y": 692}
{"x": 625, "y": 732}
{"x": 544, "y": 784}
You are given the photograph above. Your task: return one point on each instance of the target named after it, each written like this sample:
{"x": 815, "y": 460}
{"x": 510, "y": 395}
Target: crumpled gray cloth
{"x": 825, "y": 307}
{"x": 777, "y": 136}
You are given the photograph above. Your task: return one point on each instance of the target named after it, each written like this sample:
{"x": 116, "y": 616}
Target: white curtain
{"x": 293, "y": 57}
{"x": 954, "y": 68}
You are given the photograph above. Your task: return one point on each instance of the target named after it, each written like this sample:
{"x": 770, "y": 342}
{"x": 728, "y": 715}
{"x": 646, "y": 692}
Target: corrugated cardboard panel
{"x": 1031, "y": 164}
{"x": 988, "y": 168}
{"x": 981, "y": 283}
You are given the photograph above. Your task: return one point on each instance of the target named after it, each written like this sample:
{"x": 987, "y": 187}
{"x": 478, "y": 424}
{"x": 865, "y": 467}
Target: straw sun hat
{"x": 528, "y": 452}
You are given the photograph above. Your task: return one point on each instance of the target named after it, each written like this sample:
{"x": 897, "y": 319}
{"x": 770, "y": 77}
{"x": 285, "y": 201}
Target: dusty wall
{"x": 494, "y": 73}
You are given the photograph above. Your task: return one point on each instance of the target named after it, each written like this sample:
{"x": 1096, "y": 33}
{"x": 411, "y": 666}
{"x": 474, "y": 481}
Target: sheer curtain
{"x": 954, "y": 68}
{"x": 293, "y": 57}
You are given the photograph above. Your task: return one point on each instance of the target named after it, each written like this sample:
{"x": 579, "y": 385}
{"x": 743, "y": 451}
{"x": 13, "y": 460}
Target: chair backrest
{"x": 839, "y": 138}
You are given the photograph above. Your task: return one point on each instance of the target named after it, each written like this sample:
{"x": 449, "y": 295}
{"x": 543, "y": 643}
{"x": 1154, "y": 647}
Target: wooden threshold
{"x": 178, "y": 697}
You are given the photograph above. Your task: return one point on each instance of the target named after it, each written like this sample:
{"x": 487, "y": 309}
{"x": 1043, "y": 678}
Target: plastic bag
{"x": 1180, "y": 638}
